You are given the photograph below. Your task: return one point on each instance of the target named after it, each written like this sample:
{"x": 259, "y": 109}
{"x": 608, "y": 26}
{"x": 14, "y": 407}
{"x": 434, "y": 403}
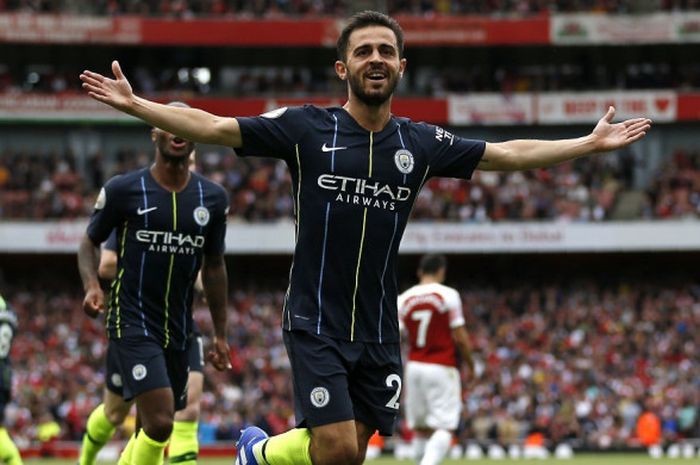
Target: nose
{"x": 376, "y": 56}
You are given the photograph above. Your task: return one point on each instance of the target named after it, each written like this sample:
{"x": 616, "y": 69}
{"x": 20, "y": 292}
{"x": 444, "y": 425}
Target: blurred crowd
{"x": 484, "y": 74}
{"x": 576, "y": 361}
{"x": 675, "y": 189}
{"x": 277, "y": 8}
{"x": 38, "y": 186}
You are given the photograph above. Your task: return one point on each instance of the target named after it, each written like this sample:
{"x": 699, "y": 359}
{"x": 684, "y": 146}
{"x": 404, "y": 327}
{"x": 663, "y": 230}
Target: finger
{"x": 639, "y": 124}
{"x": 642, "y": 126}
{"x": 117, "y": 70}
{"x": 91, "y": 80}
{"x": 610, "y": 114}
{"x": 636, "y": 137}
{"x": 99, "y": 96}
{"x": 95, "y": 90}
{"x": 93, "y": 74}
{"x": 633, "y": 121}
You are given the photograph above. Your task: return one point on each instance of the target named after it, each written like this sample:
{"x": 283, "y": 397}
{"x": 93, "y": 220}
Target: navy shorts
{"x": 337, "y": 380}
{"x": 195, "y": 354}
{"x": 138, "y": 364}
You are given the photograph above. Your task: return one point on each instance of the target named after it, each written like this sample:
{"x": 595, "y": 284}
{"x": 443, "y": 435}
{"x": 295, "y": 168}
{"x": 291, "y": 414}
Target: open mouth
{"x": 376, "y": 75}
{"x": 178, "y": 143}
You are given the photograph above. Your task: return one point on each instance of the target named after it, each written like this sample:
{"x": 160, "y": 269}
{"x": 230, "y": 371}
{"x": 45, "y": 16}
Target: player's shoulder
{"x": 445, "y": 290}
{"x": 208, "y": 184}
{"x": 419, "y": 128}
{"x": 295, "y": 113}
{"x": 433, "y": 288}
{"x": 213, "y": 190}
{"x": 125, "y": 180}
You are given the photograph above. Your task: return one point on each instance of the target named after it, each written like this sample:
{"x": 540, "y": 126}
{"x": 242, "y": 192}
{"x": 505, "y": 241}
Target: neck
{"x": 429, "y": 279}
{"x": 372, "y": 118}
{"x": 172, "y": 174}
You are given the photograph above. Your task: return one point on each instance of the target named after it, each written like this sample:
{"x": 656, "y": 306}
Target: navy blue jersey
{"x": 8, "y": 328}
{"x": 353, "y": 193}
{"x": 161, "y": 238}
{"x": 111, "y": 244}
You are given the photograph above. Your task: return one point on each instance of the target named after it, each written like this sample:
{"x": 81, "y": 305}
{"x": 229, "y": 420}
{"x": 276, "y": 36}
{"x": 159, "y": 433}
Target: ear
{"x": 341, "y": 70}
{"x": 402, "y": 66}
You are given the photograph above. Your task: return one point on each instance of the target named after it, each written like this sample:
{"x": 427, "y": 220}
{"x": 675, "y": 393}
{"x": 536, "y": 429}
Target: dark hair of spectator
{"x": 365, "y": 19}
{"x": 432, "y": 263}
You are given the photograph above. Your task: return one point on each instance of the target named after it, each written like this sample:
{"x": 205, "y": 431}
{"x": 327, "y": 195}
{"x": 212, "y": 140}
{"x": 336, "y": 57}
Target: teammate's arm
{"x": 526, "y": 154}
{"x": 189, "y": 123}
{"x": 108, "y": 264}
{"x": 94, "y": 301}
{"x": 215, "y": 282}
{"x": 461, "y": 339}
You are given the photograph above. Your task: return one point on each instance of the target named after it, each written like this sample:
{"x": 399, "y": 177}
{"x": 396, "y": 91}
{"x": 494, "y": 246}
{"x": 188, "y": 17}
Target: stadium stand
{"x": 579, "y": 360}
{"x": 574, "y": 344}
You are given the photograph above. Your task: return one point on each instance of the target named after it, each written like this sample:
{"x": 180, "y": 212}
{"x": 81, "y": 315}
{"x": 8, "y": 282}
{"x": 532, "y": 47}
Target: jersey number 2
{"x": 391, "y": 380}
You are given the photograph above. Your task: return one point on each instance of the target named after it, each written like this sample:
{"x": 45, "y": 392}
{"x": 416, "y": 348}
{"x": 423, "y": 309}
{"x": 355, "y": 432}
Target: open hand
{"x": 220, "y": 355}
{"x": 114, "y": 92}
{"x": 609, "y": 136}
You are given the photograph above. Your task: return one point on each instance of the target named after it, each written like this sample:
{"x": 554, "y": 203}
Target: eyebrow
{"x": 384, "y": 45}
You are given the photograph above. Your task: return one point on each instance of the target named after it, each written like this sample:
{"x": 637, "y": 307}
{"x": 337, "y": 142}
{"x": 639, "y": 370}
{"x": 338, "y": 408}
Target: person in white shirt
{"x": 430, "y": 314}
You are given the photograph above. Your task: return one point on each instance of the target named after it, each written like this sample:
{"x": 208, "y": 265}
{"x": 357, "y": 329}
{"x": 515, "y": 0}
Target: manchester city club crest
{"x": 320, "y": 397}
{"x": 139, "y": 372}
{"x": 404, "y": 161}
{"x": 201, "y": 216}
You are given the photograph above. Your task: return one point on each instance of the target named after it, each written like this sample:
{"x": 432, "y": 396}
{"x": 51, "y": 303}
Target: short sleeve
{"x": 111, "y": 242}
{"x": 105, "y": 215}
{"x": 273, "y": 134}
{"x": 449, "y": 155}
{"x": 215, "y": 244}
{"x": 401, "y": 301}
{"x": 454, "y": 304}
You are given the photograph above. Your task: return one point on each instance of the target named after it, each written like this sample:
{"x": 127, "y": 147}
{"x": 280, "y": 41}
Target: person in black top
{"x": 356, "y": 171}
{"x": 9, "y": 454}
{"x": 169, "y": 222}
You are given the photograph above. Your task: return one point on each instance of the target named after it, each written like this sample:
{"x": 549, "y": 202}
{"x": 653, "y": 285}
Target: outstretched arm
{"x": 526, "y": 154}
{"x": 189, "y": 123}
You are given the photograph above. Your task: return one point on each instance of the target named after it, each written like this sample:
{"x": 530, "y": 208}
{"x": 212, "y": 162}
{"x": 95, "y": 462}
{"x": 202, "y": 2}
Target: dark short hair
{"x": 365, "y": 19}
{"x": 432, "y": 263}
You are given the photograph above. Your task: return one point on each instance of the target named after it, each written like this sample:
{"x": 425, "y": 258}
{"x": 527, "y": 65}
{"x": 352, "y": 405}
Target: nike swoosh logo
{"x": 325, "y": 148}
{"x": 143, "y": 211}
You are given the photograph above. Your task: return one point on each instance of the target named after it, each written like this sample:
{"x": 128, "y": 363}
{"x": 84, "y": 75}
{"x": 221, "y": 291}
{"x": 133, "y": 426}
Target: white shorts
{"x": 433, "y": 396}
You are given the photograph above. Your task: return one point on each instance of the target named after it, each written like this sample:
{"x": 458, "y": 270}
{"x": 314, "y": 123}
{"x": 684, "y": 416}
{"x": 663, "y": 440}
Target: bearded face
{"x": 374, "y": 86}
{"x": 372, "y": 66}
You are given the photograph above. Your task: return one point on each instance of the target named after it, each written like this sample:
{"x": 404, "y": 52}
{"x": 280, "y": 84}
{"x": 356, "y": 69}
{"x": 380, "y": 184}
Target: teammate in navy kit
{"x": 106, "y": 417}
{"x": 432, "y": 318}
{"x": 169, "y": 223}
{"x": 9, "y": 454}
{"x": 356, "y": 171}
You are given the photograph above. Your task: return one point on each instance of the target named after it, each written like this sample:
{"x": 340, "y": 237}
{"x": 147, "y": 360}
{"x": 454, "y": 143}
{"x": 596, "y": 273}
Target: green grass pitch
{"x": 580, "y": 459}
